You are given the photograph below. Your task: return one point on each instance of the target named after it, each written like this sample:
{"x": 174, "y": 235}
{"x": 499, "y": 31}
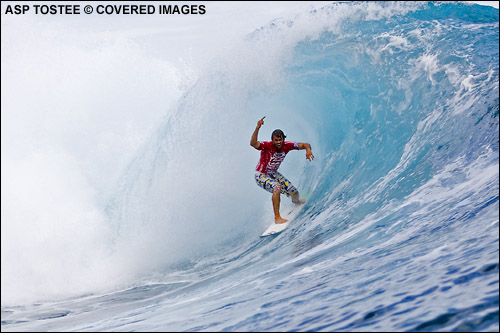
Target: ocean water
{"x": 128, "y": 198}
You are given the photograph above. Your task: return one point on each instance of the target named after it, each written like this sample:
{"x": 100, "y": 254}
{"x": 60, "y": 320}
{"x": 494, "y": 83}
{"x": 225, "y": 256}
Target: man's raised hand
{"x": 261, "y": 122}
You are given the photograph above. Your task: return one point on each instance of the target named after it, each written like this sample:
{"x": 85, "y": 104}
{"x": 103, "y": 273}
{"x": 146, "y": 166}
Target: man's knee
{"x": 277, "y": 189}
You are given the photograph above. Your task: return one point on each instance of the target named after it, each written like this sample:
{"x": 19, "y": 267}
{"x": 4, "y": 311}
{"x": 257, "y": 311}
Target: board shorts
{"x": 268, "y": 181}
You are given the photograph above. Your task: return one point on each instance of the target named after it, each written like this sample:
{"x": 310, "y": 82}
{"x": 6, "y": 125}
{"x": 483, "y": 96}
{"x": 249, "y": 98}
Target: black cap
{"x": 278, "y": 133}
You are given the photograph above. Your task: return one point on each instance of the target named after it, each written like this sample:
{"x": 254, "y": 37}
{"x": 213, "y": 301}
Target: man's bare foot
{"x": 300, "y": 202}
{"x": 280, "y": 220}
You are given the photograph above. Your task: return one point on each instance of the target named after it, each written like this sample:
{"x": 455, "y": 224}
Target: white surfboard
{"x": 275, "y": 228}
{"x": 289, "y": 214}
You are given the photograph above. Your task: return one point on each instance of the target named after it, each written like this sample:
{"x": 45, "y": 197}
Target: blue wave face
{"x": 400, "y": 103}
{"x": 397, "y": 101}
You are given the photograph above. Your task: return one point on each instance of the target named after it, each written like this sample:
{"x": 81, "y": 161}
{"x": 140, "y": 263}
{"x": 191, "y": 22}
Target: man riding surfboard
{"x": 267, "y": 176}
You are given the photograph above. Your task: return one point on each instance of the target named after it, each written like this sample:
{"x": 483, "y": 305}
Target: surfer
{"x": 266, "y": 173}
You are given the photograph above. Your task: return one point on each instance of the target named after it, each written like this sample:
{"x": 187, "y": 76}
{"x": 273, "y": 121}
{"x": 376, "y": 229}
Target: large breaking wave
{"x": 400, "y": 104}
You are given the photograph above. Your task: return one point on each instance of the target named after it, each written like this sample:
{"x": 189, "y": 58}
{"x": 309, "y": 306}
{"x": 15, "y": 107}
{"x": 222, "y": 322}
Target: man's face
{"x": 278, "y": 141}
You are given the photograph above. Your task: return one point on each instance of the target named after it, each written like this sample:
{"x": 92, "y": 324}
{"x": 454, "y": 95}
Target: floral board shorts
{"x": 268, "y": 181}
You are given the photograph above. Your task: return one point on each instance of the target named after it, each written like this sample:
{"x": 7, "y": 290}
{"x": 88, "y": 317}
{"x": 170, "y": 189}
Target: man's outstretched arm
{"x": 254, "y": 141}
{"x": 307, "y": 147}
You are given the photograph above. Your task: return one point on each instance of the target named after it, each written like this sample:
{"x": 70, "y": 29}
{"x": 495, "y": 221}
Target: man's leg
{"x": 296, "y": 199}
{"x": 276, "y": 205}
{"x": 270, "y": 184}
{"x": 289, "y": 189}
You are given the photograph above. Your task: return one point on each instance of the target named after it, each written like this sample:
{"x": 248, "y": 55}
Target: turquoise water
{"x": 400, "y": 232}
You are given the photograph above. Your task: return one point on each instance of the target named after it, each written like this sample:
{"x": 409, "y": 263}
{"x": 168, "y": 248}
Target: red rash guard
{"x": 271, "y": 158}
